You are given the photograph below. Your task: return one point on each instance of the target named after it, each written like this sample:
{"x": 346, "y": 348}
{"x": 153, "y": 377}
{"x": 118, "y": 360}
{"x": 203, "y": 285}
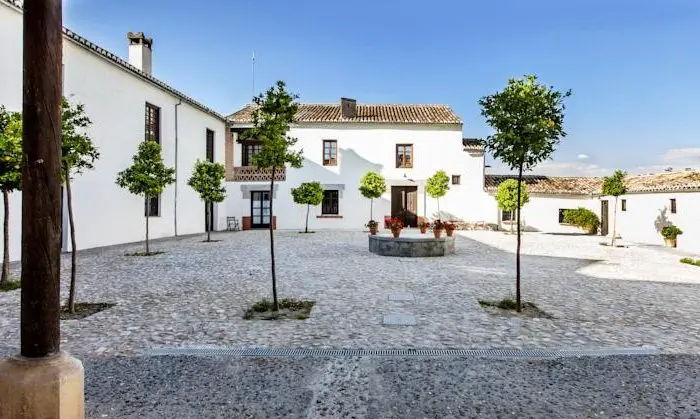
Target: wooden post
{"x": 41, "y": 184}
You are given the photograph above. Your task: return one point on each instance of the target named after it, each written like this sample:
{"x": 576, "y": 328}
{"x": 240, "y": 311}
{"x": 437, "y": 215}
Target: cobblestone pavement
{"x": 195, "y": 294}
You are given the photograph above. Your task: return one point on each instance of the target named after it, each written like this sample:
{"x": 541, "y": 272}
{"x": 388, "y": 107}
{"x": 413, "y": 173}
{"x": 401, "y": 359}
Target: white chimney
{"x": 140, "y": 49}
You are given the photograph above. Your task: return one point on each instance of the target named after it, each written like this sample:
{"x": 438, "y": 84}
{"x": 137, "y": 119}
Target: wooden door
{"x": 604, "y": 218}
{"x": 404, "y": 204}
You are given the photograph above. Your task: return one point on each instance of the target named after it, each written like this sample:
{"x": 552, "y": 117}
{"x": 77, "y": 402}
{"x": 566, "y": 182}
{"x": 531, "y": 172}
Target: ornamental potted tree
{"x": 372, "y": 225}
{"x": 395, "y": 225}
{"x": 449, "y": 228}
{"x": 437, "y": 227}
{"x": 671, "y": 233}
{"x": 423, "y": 226}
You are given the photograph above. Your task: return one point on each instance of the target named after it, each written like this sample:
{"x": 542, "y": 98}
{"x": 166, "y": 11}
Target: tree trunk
{"x": 275, "y": 306}
{"x": 614, "y": 233}
{"x": 71, "y": 223}
{"x": 148, "y": 213}
{"x": 517, "y": 250}
{"x": 439, "y": 215}
{"x": 207, "y": 210}
{"x": 306, "y": 228}
{"x": 371, "y": 208}
{"x": 512, "y": 219}
{"x": 5, "y": 278}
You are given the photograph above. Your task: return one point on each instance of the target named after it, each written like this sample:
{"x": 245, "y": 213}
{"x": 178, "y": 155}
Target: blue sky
{"x": 633, "y": 66}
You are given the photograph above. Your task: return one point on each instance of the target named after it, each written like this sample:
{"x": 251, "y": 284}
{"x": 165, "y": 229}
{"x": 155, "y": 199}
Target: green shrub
{"x": 671, "y": 232}
{"x": 691, "y": 261}
{"x": 582, "y": 218}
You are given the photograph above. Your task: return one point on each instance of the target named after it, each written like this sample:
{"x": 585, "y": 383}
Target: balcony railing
{"x": 251, "y": 174}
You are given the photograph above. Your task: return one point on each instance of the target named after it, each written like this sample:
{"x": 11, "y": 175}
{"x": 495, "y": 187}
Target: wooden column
{"x": 41, "y": 186}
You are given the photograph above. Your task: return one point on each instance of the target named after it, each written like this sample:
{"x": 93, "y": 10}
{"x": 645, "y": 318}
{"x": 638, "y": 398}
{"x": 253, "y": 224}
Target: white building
{"x": 341, "y": 142}
{"x": 652, "y": 201}
{"x": 119, "y": 96}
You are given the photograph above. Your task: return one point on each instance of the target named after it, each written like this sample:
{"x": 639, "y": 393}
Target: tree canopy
{"x": 507, "y": 195}
{"x": 614, "y": 185}
{"x": 528, "y": 119}
{"x": 77, "y": 150}
{"x": 148, "y": 175}
{"x": 206, "y": 180}
{"x": 10, "y": 150}
{"x": 308, "y": 193}
{"x": 372, "y": 185}
{"x": 438, "y": 184}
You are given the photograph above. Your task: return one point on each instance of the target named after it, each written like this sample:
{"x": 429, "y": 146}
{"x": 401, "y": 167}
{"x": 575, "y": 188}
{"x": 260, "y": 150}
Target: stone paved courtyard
{"x": 195, "y": 294}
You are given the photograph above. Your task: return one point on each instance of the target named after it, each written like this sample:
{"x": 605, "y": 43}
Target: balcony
{"x": 251, "y": 174}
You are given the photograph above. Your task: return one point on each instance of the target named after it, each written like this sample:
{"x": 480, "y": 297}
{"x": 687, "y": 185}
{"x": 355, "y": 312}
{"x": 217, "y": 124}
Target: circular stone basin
{"x": 411, "y": 245}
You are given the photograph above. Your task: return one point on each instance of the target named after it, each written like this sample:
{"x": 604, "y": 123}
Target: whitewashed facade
{"x": 364, "y": 146}
{"x": 115, "y": 95}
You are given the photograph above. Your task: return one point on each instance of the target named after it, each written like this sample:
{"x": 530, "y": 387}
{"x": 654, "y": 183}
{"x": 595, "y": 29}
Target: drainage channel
{"x": 379, "y": 353}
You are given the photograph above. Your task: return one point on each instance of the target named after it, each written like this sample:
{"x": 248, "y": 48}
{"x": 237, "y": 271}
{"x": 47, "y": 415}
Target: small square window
{"x": 404, "y": 156}
{"x": 623, "y": 203}
{"x": 154, "y": 208}
{"x": 330, "y": 152}
{"x": 456, "y": 179}
{"x": 507, "y": 215}
{"x": 673, "y": 205}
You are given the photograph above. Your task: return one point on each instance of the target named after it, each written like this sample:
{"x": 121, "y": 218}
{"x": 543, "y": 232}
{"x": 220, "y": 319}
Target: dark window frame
{"x": 331, "y": 202}
{"x": 561, "y": 215}
{"x": 402, "y": 151}
{"x": 152, "y": 123}
{"x": 674, "y": 208}
{"x": 330, "y": 153}
{"x": 509, "y": 217}
{"x": 623, "y": 205}
{"x": 210, "y": 140}
{"x": 155, "y": 207}
{"x": 248, "y": 150}
{"x": 456, "y": 179}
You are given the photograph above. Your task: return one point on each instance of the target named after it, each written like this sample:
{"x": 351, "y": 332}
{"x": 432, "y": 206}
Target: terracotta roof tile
{"x": 658, "y": 182}
{"x": 385, "y": 114}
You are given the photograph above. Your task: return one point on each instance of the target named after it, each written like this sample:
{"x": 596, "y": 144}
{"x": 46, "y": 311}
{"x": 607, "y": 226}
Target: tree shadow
{"x": 662, "y": 220}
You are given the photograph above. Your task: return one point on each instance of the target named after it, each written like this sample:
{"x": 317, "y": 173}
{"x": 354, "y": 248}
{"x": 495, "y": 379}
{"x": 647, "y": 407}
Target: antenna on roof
{"x": 253, "y": 63}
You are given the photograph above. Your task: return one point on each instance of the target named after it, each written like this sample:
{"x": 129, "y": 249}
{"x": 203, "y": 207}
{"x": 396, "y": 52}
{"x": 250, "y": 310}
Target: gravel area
{"x": 195, "y": 293}
{"x": 199, "y": 387}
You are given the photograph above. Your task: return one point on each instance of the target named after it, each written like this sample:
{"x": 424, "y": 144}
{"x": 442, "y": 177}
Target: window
{"x": 456, "y": 179}
{"x": 506, "y": 216}
{"x": 330, "y": 152}
{"x": 152, "y": 123}
{"x": 562, "y": 213}
{"x": 404, "y": 156}
{"x": 673, "y": 205}
{"x": 210, "y": 145}
{"x": 155, "y": 207}
{"x": 624, "y": 204}
{"x": 250, "y": 148}
{"x": 329, "y": 206}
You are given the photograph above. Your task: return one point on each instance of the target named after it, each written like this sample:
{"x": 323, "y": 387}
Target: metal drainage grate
{"x": 440, "y": 353}
{"x": 400, "y": 296}
{"x": 399, "y": 320}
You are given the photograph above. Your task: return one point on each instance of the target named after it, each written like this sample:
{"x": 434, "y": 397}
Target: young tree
{"x": 614, "y": 186}
{"x": 437, "y": 186}
{"x": 528, "y": 119}
{"x": 372, "y": 186}
{"x": 78, "y": 155}
{"x": 147, "y": 176}
{"x": 308, "y": 193}
{"x": 206, "y": 180}
{"x": 10, "y": 176}
{"x": 274, "y": 113}
{"x": 507, "y": 197}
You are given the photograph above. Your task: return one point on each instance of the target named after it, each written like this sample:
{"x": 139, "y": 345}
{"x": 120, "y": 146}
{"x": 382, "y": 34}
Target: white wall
{"x": 541, "y": 213}
{"x": 115, "y": 100}
{"x": 647, "y": 213}
{"x": 364, "y": 147}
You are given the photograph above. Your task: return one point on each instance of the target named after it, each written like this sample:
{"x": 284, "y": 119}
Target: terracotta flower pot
{"x": 437, "y": 233}
{"x": 671, "y": 242}
{"x": 396, "y": 232}
{"x": 449, "y": 233}
{"x": 423, "y": 230}
{"x": 373, "y": 230}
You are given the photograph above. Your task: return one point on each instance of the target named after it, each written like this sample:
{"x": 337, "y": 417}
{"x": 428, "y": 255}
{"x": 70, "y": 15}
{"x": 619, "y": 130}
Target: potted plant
{"x": 372, "y": 225}
{"x": 437, "y": 227}
{"x": 423, "y": 226}
{"x": 671, "y": 233}
{"x": 449, "y": 228}
{"x": 395, "y": 225}
{"x": 582, "y": 218}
